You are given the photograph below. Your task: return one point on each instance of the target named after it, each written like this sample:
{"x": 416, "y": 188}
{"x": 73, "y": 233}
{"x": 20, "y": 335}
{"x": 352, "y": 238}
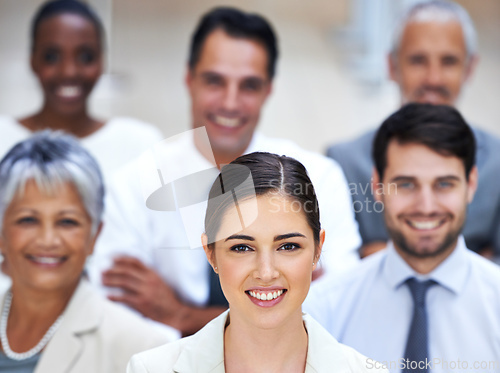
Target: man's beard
{"x": 400, "y": 242}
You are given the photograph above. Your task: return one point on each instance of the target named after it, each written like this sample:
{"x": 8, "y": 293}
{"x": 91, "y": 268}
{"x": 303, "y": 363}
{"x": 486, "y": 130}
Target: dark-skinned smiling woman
{"x": 67, "y": 59}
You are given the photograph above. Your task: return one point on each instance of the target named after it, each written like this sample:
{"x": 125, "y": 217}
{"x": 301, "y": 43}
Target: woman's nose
{"x": 266, "y": 268}
{"x": 48, "y": 236}
{"x": 69, "y": 68}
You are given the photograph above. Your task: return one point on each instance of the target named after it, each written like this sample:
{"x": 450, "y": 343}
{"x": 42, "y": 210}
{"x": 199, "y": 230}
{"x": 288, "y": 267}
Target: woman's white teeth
{"x": 46, "y": 260}
{"x": 425, "y": 224}
{"x": 266, "y": 296}
{"x": 227, "y": 122}
{"x": 69, "y": 91}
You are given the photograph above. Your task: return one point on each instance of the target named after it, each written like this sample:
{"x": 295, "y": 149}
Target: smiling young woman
{"x": 67, "y": 59}
{"x": 263, "y": 238}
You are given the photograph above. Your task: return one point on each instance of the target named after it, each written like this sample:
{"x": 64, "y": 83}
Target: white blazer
{"x": 203, "y": 352}
{"x": 96, "y": 336}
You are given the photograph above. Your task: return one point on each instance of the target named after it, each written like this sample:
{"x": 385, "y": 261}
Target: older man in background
{"x": 433, "y": 55}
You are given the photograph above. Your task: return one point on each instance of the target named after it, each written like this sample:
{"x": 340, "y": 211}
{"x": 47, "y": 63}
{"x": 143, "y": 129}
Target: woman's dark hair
{"x": 53, "y": 8}
{"x": 441, "y": 128}
{"x": 258, "y": 174}
{"x": 238, "y": 24}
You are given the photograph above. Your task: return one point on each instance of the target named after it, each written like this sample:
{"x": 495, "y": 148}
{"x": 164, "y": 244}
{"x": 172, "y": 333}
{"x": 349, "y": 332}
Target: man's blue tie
{"x": 417, "y": 348}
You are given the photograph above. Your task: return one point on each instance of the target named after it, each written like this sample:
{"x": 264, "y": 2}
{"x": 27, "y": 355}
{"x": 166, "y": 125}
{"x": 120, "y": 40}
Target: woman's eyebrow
{"x": 239, "y": 237}
{"x": 287, "y": 236}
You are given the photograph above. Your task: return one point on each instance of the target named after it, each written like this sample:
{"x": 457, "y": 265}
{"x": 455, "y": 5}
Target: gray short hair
{"x": 50, "y": 158}
{"x": 437, "y": 11}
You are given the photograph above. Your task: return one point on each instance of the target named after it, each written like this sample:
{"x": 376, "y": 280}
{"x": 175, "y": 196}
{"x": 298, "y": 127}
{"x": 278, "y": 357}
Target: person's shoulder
{"x": 360, "y": 363}
{"x": 127, "y": 327}
{"x": 355, "y": 157}
{"x": 12, "y": 132}
{"x": 486, "y": 271}
{"x": 362, "y": 143}
{"x": 132, "y": 132}
{"x": 133, "y": 174}
{"x": 159, "y": 359}
{"x": 314, "y": 162}
{"x": 482, "y": 282}
{"x": 488, "y": 151}
{"x": 135, "y": 126}
{"x": 202, "y": 349}
{"x": 484, "y": 136}
{"x": 109, "y": 330}
{"x": 126, "y": 183}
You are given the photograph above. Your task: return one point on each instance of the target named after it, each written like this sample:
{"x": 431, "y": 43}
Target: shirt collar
{"x": 254, "y": 146}
{"x": 455, "y": 270}
{"x": 395, "y": 270}
{"x": 452, "y": 273}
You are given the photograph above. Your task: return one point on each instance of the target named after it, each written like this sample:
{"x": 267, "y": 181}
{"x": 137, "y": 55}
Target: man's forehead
{"x": 421, "y": 162}
{"x": 226, "y": 73}
{"x": 440, "y": 35}
{"x": 230, "y": 56}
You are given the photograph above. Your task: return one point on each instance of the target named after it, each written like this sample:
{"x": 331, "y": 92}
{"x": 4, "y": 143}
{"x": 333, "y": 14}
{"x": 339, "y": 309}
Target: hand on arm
{"x": 145, "y": 291}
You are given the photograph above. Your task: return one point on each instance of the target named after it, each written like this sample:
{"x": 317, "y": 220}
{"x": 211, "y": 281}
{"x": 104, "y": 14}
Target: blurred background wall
{"x": 331, "y": 83}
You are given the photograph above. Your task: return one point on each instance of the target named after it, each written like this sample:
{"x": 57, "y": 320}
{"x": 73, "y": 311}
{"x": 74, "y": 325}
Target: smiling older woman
{"x": 263, "y": 238}
{"x": 51, "y": 202}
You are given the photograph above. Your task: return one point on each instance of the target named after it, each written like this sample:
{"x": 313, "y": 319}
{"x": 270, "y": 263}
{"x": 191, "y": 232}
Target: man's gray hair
{"x": 50, "y": 158}
{"x": 437, "y": 11}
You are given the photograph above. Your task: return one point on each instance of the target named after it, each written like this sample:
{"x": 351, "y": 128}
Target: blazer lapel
{"x": 61, "y": 353}
{"x": 323, "y": 350}
{"x": 204, "y": 352}
{"x": 81, "y": 316}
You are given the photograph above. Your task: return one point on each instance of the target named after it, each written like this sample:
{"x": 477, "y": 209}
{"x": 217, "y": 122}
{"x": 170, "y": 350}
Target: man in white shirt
{"x": 164, "y": 273}
{"x": 426, "y": 302}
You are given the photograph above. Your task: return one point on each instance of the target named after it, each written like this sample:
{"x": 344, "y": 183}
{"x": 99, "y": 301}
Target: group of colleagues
{"x": 269, "y": 216}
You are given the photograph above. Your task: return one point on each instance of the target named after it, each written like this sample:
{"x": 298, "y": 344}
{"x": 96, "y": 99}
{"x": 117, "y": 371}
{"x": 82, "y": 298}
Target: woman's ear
{"x": 319, "y": 247}
{"x": 94, "y": 239}
{"x": 209, "y": 252}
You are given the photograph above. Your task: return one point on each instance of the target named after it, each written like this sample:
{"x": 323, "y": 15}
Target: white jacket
{"x": 96, "y": 336}
{"x": 203, "y": 352}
